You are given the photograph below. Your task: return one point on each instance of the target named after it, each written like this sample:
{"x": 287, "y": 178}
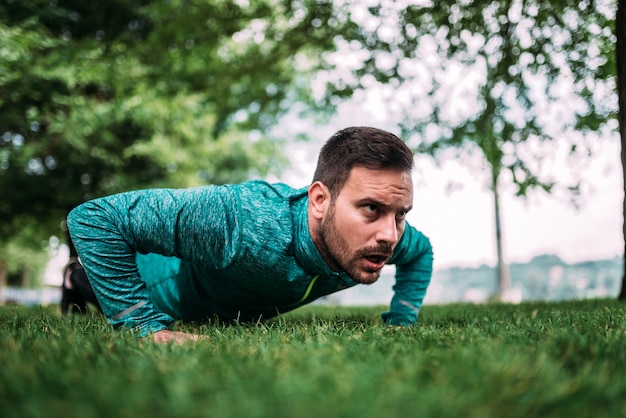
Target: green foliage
{"x": 25, "y": 255}
{"x": 536, "y": 359}
{"x": 102, "y": 97}
{"x": 28, "y": 256}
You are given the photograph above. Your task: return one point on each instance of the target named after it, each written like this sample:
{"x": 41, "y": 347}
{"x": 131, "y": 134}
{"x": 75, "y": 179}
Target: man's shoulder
{"x": 259, "y": 189}
{"x": 268, "y": 215}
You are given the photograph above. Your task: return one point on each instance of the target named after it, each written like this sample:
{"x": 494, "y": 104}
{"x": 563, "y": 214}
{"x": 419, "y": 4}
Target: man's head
{"x": 361, "y": 192}
{"x": 365, "y": 147}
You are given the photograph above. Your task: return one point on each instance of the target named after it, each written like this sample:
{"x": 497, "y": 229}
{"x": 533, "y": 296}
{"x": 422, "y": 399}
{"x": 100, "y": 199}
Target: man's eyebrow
{"x": 374, "y": 201}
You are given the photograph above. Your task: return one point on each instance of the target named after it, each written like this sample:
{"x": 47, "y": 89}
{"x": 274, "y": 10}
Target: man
{"x": 255, "y": 250}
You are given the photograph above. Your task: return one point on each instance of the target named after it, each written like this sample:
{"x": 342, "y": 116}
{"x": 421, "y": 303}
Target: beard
{"x": 337, "y": 253}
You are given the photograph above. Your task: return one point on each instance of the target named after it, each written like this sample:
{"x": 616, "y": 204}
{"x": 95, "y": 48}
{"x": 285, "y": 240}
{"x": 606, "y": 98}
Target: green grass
{"x": 537, "y": 359}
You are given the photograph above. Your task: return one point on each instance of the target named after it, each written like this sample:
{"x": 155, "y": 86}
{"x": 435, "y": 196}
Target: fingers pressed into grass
{"x": 166, "y": 336}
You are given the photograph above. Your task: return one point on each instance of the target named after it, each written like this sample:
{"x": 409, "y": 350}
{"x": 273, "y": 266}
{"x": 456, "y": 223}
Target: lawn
{"x": 530, "y": 360}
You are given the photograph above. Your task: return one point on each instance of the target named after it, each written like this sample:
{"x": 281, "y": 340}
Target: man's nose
{"x": 388, "y": 230}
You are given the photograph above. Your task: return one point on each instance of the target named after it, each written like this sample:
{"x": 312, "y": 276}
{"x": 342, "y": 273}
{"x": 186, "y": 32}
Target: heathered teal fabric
{"x": 237, "y": 252}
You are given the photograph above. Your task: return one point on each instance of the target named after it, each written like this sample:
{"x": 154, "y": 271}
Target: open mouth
{"x": 376, "y": 261}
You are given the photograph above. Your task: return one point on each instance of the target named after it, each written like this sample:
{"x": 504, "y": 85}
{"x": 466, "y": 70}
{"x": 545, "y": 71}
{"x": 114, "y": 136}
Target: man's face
{"x": 362, "y": 226}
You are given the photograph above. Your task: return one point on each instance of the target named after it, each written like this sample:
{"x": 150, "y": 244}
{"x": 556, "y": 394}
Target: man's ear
{"x": 319, "y": 199}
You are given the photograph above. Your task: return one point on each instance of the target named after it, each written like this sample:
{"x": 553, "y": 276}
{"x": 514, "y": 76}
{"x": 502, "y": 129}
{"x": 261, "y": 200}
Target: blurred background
{"x": 511, "y": 107}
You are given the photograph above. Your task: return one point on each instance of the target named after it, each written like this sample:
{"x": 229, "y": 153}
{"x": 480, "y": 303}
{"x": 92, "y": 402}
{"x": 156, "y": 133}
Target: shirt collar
{"x": 306, "y": 252}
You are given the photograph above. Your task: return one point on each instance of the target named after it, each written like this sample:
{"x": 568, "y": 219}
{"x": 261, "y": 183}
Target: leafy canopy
{"x": 108, "y": 96}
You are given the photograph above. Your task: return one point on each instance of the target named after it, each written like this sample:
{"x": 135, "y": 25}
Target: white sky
{"x": 459, "y": 222}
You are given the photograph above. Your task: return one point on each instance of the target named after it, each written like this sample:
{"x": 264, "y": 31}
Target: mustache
{"x": 385, "y": 250}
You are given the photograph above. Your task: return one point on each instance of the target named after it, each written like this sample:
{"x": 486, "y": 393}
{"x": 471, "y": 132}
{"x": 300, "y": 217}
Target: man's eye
{"x": 401, "y": 215}
{"x": 371, "y": 208}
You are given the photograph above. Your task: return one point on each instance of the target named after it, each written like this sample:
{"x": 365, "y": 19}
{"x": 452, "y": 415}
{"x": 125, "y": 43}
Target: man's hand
{"x": 166, "y": 336}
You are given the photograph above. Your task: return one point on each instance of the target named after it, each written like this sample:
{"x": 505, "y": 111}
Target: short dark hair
{"x": 359, "y": 146}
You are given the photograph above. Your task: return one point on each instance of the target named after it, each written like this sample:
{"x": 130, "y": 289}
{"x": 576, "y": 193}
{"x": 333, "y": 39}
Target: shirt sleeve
{"x": 196, "y": 224}
{"x": 413, "y": 258}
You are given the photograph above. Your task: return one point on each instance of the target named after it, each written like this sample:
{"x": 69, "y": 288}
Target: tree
{"x": 501, "y": 79}
{"x": 103, "y": 97}
{"x": 620, "y": 53}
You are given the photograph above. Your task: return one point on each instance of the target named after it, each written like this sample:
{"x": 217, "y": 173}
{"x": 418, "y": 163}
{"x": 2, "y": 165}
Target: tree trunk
{"x": 620, "y": 35}
{"x": 3, "y": 278}
{"x": 26, "y": 276}
{"x": 502, "y": 272}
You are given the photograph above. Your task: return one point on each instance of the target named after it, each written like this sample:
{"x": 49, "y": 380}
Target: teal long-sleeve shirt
{"x": 238, "y": 252}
